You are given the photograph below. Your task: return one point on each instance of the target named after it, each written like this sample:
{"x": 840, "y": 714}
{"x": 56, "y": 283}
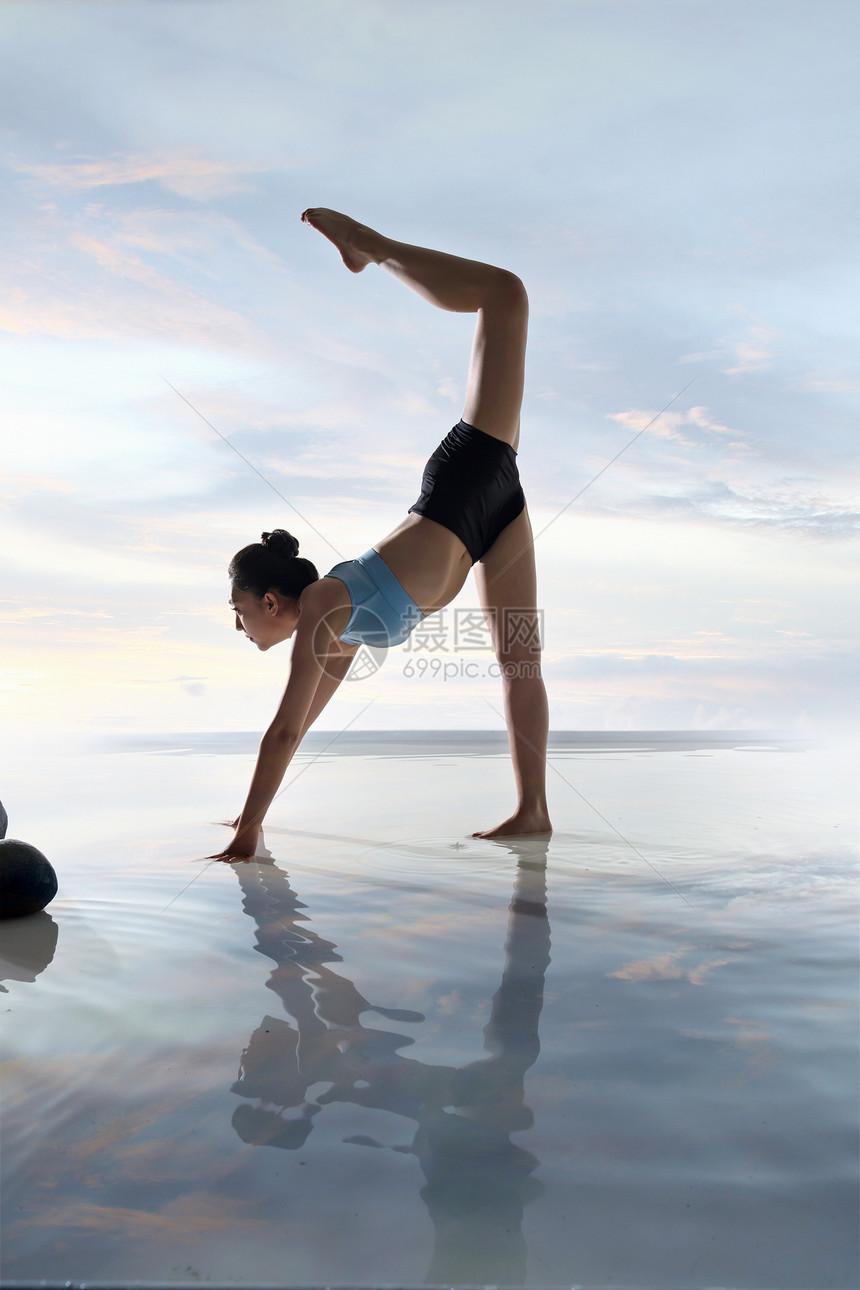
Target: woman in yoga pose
{"x": 471, "y": 513}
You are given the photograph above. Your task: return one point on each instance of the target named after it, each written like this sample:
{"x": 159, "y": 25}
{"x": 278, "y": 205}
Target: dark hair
{"x": 272, "y": 565}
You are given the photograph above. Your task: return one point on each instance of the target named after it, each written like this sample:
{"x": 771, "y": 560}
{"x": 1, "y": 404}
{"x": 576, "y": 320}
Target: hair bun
{"x": 281, "y": 543}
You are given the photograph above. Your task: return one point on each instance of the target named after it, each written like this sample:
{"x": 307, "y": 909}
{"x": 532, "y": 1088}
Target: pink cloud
{"x": 187, "y": 174}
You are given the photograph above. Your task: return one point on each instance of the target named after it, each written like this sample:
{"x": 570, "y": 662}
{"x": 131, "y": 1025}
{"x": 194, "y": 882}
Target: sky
{"x": 676, "y": 181}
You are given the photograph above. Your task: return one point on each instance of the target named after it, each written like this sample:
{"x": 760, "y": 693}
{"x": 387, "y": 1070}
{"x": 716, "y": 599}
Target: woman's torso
{"x": 429, "y": 561}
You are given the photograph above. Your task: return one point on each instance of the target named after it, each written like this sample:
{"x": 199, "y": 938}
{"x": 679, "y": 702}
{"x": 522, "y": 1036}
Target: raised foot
{"x": 520, "y": 824}
{"x": 353, "y": 240}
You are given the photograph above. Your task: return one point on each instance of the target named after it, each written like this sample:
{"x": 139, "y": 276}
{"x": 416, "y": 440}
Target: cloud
{"x": 60, "y": 295}
{"x": 723, "y": 719}
{"x": 190, "y": 315}
{"x": 19, "y": 682}
{"x": 195, "y": 688}
{"x": 186, "y": 174}
{"x": 750, "y": 355}
{"x": 756, "y": 1042}
{"x": 28, "y": 612}
{"x": 832, "y": 381}
{"x": 668, "y": 967}
{"x": 699, "y": 416}
{"x": 369, "y": 473}
{"x": 666, "y": 427}
{"x": 193, "y": 685}
{"x": 776, "y": 506}
{"x": 183, "y": 1219}
{"x": 106, "y": 271}
{"x": 743, "y": 354}
{"x": 26, "y": 484}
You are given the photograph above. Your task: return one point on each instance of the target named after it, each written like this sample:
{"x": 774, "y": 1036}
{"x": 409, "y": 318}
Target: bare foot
{"x": 519, "y": 824}
{"x": 353, "y": 240}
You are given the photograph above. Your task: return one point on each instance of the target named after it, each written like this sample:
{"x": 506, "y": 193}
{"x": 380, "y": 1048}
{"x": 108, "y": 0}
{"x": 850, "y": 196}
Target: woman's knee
{"x": 522, "y": 667}
{"x": 509, "y": 292}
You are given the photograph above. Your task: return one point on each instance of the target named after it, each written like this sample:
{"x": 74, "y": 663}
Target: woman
{"x": 471, "y": 513}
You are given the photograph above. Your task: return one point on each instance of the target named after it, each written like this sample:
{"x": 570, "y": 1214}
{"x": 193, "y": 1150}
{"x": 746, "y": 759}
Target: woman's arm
{"x": 314, "y": 678}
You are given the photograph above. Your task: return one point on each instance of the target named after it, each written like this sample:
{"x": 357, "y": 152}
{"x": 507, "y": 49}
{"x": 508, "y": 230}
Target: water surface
{"x": 389, "y": 1053}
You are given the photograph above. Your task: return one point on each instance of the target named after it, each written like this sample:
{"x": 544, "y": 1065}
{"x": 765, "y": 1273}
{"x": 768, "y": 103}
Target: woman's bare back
{"x": 429, "y": 561}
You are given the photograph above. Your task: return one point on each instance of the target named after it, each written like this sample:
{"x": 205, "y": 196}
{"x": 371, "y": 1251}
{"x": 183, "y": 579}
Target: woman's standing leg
{"x": 507, "y": 586}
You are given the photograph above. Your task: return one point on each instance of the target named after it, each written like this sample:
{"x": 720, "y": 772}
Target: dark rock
{"x": 4, "y": 821}
{"x": 27, "y": 879}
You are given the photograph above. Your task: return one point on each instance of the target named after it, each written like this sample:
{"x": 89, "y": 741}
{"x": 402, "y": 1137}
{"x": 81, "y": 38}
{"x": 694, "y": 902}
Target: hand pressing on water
{"x": 243, "y": 847}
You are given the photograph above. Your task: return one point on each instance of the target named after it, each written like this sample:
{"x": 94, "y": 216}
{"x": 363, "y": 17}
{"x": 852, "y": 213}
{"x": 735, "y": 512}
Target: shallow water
{"x": 389, "y": 1053}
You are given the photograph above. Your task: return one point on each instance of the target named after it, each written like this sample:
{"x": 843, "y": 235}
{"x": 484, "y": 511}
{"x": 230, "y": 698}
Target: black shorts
{"x": 471, "y": 485}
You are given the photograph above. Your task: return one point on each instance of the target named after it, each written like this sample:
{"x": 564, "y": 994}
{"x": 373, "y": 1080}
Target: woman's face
{"x": 266, "y": 622}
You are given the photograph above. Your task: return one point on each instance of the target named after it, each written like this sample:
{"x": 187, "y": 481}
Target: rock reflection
{"x": 27, "y": 947}
{"x": 478, "y": 1182}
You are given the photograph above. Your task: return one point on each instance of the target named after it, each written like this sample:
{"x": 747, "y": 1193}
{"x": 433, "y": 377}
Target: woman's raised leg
{"x": 495, "y": 388}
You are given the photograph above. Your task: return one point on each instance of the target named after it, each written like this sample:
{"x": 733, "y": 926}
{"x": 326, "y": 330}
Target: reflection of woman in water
{"x": 477, "y": 1181}
{"x": 471, "y": 512}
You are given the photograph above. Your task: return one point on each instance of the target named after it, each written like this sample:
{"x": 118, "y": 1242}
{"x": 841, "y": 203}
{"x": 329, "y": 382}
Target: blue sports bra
{"x": 383, "y": 612}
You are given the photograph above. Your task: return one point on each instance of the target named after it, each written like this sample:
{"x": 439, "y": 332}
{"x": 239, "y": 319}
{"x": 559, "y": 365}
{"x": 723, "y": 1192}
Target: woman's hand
{"x": 243, "y": 847}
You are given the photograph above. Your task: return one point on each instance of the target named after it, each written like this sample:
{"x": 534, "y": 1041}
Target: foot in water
{"x": 354, "y": 241}
{"x": 520, "y": 824}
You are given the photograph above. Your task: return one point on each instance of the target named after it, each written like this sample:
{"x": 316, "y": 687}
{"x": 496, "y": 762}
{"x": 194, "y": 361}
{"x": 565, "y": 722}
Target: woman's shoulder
{"x": 320, "y": 597}
{"x": 325, "y": 612}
